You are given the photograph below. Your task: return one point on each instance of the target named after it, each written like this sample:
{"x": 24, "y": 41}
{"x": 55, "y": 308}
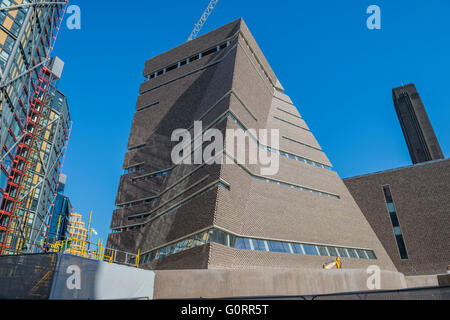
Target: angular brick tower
{"x": 228, "y": 215}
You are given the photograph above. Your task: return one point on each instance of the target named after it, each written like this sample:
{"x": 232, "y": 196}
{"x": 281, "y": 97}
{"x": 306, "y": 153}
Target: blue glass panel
{"x": 371, "y": 254}
{"x": 242, "y": 243}
{"x": 259, "y": 245}
{"x": 323, "y": 251}
{"x": 3, "y": 179}
{"x": 296, "y": 248}
{"x": 332, "y": 251}
{"x": 309, "y": 249}
{"x": 361, "y": 254}
{"x": 276, "y": 246}
{"x": 352, "y": 253}
{"x": 342, "y": 252}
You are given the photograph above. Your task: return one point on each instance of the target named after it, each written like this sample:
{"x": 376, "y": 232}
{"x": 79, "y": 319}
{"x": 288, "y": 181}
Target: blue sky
{"x": 338, "y": 73}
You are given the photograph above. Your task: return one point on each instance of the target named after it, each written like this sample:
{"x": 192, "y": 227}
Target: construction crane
{"x": 198, "y": 26}
{"x": 330, "y": 265}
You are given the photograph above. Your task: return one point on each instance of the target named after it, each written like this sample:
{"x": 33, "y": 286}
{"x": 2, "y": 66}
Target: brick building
{"x": 202, "y": 216}
{"x": 409, "y": 207}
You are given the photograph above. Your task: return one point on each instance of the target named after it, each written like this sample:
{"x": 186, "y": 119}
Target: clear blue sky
{"x": 338, "y": 73}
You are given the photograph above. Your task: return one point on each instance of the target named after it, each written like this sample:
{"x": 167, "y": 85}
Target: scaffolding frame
{"x": 89, "y": 250}
{"x": 40, "y": 84}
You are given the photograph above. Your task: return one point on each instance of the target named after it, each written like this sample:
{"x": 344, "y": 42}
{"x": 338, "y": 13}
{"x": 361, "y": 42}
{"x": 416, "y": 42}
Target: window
{"x": 323, "y": 251}
{"x": 219, "y": 237}
{"x": 395, "y": 222}
{"x": 342, "y": 252}
{"x": 394, "y": 219}
{"x": 371, "y": 254}
{"x": 390, "y": 206}
{"x": 172, "y": 67}
{"x": 309, "y": 249}
{"x": 361, "y": 254}
{"x": 297, "y": 248}
{"x": 276, "y": 246}
{"x": 333, "y": 252}
{"x": 196, "y": 57}
{"x": 352, "y": 253}
{"x": 259, "y": 245}
{"x": 210, "y": 51}
{"x": 401, "y": 246}
{"x": 397, "y": 231}
{"x": 134, "y": 168}
{"x": 387, "y": 194}
{"x": 242, "y": 243}
{"x": 222, "y": 237}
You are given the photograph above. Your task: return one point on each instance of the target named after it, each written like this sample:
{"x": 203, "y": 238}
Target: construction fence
{"x": 61, "y": 276}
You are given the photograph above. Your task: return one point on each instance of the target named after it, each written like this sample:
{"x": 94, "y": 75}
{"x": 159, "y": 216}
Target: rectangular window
{"x": 297, "y": 248}
{"x": 371, "y": 254}
{"x": 361, "y": 254}
{"x": 387, "y": 194}
{"x": 397, "y": 231}
{"x": 323, "y": 251}
{"x": 259, "y": 245}
{"x": 342, "y": 252}
{"x": 172, "y": 67}
{"x": 309, "y": 249}
{"x": 218, "y": 236}
{"x": 391, "y": 207}
{"x": 194, "y": 58}
{"x": 242, "y": 243}
{"x": 209, "y": 52}
{"x": 394, "y": 219}
{"x": 276, "y": 246}
{"x": 395, "y": 222}
{"x": 401, "y": 246}
{"x": 333, "y": 252}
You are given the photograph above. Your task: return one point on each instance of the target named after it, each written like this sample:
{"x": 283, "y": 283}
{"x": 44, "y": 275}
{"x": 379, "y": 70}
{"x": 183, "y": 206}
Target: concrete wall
{"x": 77, "y": 278}
{"x": 265, "y": 282}
{"x": 421, "y": 281}
{"x": 428, "y": 280}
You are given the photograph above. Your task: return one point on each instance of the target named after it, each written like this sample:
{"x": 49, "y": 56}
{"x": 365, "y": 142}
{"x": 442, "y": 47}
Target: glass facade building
{"x": 61, "y": 214}
{"x": 34, "y": 121}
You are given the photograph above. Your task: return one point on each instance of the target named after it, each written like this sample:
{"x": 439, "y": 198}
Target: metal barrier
{"x": 62, "y": 276}
{"x": 85, "y": 249}
{"x": 95, "y": 251}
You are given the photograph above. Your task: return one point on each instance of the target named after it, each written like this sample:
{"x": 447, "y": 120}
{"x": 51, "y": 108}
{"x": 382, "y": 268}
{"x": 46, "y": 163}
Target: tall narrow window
{"x": 395, "y": 222}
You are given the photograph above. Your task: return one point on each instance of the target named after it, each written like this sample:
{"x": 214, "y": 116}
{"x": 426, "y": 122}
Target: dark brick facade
{"x": 421, "y": 196}
{"x": 420, "y": 138}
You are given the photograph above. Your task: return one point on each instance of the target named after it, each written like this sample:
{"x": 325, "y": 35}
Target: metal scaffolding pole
{"x": 35, "y": 89}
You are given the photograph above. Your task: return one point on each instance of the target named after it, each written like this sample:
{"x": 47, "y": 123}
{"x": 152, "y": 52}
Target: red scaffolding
{"x": 22, "y": 184}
